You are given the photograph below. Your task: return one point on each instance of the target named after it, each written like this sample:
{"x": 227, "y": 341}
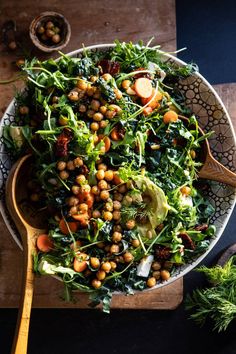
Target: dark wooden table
{"x": 70, "y": 331}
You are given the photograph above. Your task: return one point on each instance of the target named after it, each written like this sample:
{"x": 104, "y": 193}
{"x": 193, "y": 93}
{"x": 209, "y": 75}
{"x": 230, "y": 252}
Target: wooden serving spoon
{"x": 212, "y": 169}
{"x": 29, "y": 226}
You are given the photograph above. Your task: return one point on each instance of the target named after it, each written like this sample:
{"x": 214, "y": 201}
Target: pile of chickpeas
{"x": 108, "y": 194}
{"x": 49, "y": 32}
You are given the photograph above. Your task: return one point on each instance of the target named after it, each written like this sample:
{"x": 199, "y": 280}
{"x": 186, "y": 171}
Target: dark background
{"x": 208, "y": 29}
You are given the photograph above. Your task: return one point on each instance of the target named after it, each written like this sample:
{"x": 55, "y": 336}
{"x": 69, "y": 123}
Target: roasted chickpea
{"x": 126, "y": 84}
{"x": 113, "y": 265}
{"x": 82, "y": 85}
{"x": 40, "y": 30}
{"x": 117, "y": 228}
{"x": 56, "y": 29}
{"x": 70, "y": 165}
{"x": 114, "y": 248}
{"x": 128, "y": 257}
{"x": 116, "y": 215}
{"x": 100, "y": 174}
{"x": 117, "y": 205}
{"x": 93, "y": 78}
{"x": 110, "y": 114}
{"x": 49, "y": 33}
{"x": 82, "y": 108}
{"x": 109, "y": 175}
{"x": 101, "y": 274}
{"x": 118, "y": 196}
{"x": 95, "y": 190}
{"x": 90, "y": 113}
{"x": 156, "y": 265}
{"x": 96, "y": 284}
{"x": 135, "y": 243}
{"x": 107, "y": 215}
{"x": 56, "y": 38}
{"x": 108, "y": 205}
{"x": 107, "y": 77}
{"x": 102, "y": 166}
{"x": 61, "y": 165}
{"x": 64, "y": 174}
{"x": 103, "y": 124}
{"x": 49, "y": 25}
{"x": 104, "y": 195}
{"x": 156, "y": 274}
{"x": 80, "y": 179}
{"x": 78, "y": 162}
{"x": 83, "y": 207}
{"x": 116, "y": 237}
{"x": 122, "y": 189}
{"x": 103, "y": 109}
{"x": 106, "y": 266}
{"x": 98, "y": 116}
{"x": 75, "y": 190}
{"x": 102, "y": 184}
{"x": 165, "y": 274}
{"x": 73, "y": 96}
{"x": 96, "y": 214}
{"x": 151, "y": 282}
{"x": 95, "y": 104}
{"x": 94, "y": 262}
{"x": 130, "y": 224}
{"x": 94, "y": 126}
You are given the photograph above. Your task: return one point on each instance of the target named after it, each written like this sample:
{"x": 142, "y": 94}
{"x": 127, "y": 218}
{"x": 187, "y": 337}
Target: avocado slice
{"x": 157, "y": 206}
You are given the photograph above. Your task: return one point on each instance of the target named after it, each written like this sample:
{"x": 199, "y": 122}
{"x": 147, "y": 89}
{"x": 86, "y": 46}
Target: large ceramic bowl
{"x": 208, "y": 107}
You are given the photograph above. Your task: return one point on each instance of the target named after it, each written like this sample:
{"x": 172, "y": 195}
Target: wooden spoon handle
{"x": 20, "y": 342}
{"x": 215, "y": 171}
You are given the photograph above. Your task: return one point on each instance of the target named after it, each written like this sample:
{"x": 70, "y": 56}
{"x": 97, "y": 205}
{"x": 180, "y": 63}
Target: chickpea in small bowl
{"x": 50, "y": 31}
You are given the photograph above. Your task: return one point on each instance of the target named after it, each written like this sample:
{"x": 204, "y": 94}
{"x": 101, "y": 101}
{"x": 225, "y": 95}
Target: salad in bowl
{"x": 115, "y": 167}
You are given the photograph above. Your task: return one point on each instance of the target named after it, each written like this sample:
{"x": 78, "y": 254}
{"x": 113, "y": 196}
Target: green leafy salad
{"x": 115, "y": 168}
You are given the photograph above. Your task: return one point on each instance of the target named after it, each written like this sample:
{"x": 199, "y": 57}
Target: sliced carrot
{"x": 44, "y": 243}
{"x": 72, "y": 226}
{"x": 83, "y": 218}
{"x": 155, "y": 98}
{"x": 147, "y": 111}
{"x": 143, "y": 87}
{"x": 80, "y": 263}
{"x": 170, "y": 117}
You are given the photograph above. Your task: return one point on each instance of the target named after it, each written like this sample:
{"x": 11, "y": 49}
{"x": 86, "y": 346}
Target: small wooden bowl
{"x": 41, "y": 20}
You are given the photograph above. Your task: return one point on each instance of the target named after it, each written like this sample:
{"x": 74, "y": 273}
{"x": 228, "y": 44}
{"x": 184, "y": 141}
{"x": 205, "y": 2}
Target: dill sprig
{"x": 217, "y": 303}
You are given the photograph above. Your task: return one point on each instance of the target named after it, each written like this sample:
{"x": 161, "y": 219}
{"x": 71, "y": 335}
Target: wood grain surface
{"x": 92, "y": 22}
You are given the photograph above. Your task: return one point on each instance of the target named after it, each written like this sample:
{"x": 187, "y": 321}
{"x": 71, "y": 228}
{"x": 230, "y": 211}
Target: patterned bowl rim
{"x": 188, "y": 267}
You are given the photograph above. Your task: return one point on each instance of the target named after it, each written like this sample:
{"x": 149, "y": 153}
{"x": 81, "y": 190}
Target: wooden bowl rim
{"x": 38, "y": 43}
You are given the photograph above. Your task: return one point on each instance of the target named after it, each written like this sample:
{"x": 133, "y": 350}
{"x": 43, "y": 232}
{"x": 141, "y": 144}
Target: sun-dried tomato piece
{"x": 61, "y": 146}
{"x": 83, "y": 170}
{"x": 187, "y": 241}
{"x": 162, "y": 252}
{"x": 109, "y": 66}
